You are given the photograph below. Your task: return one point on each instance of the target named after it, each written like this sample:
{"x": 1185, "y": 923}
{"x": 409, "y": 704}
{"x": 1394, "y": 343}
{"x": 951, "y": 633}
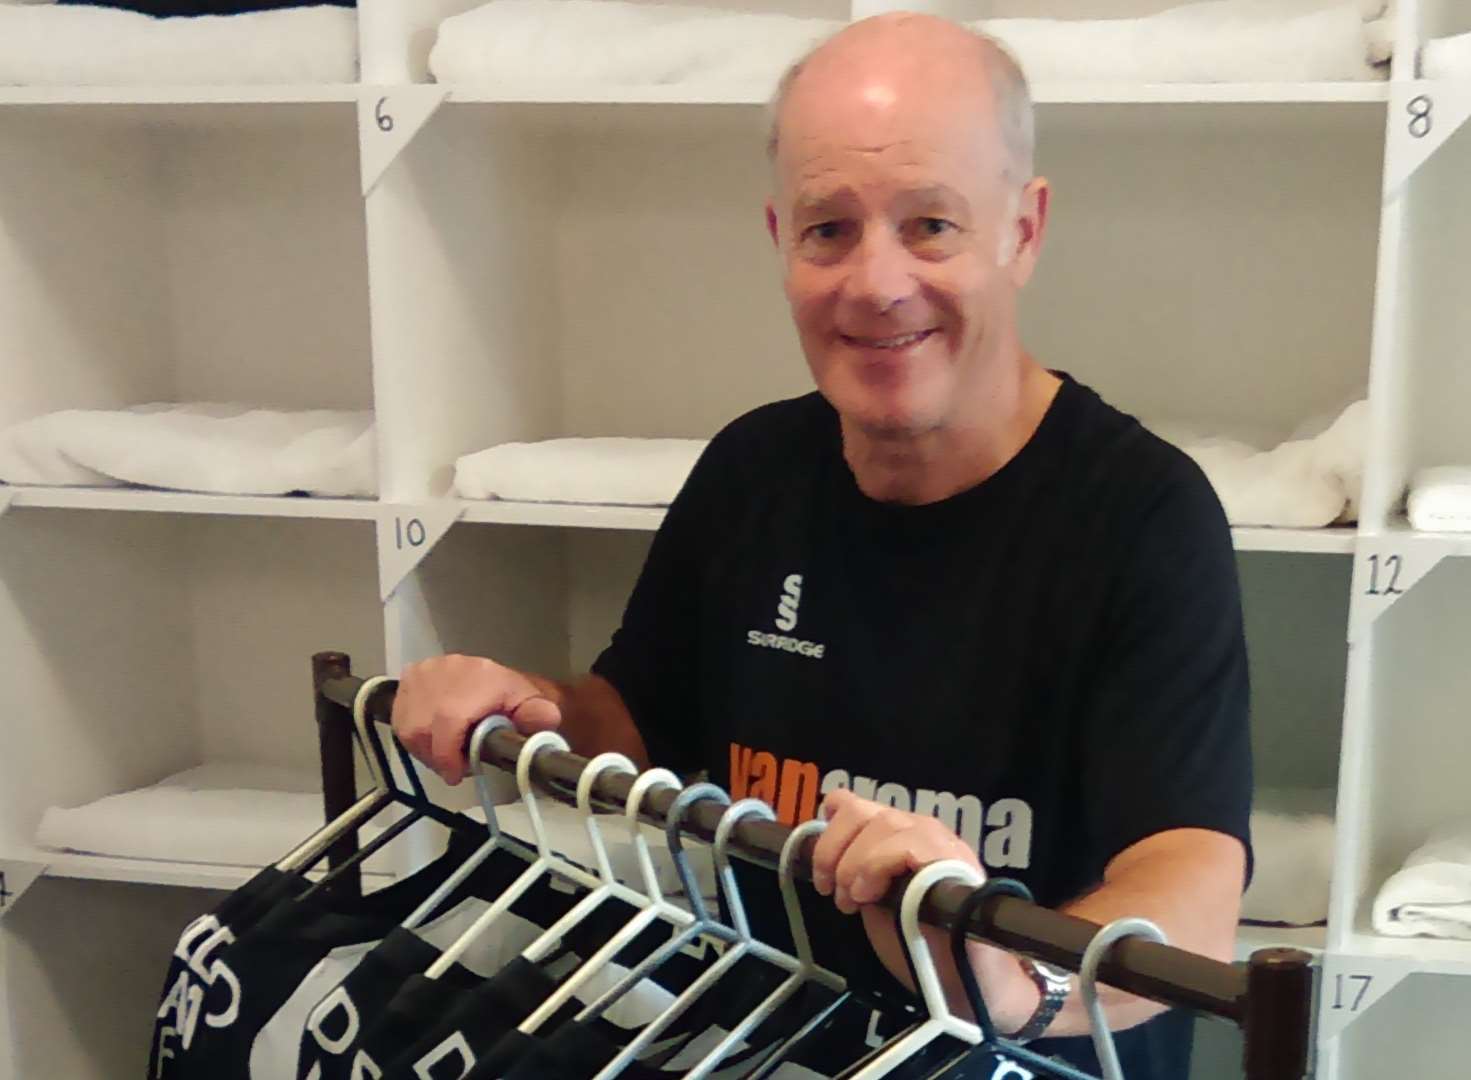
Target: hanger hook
{"x": 796, "y": 921}
{"x": 927, "y": 980}
{"x": 631, "y": 810}
{"x": 534, "y": 745}
{"x": 363, "y": 727}
{"x": 477, "y": 767}
{"x": 733, "y": 815}
{"x": 961, "y": 956}
{"x": 672, "y": 821}
{"x": 1093, "y": 956}
{"x": 585, "y": 781}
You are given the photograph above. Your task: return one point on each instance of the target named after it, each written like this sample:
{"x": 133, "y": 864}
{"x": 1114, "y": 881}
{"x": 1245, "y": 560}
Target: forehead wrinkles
{"x": 818, "y": 160}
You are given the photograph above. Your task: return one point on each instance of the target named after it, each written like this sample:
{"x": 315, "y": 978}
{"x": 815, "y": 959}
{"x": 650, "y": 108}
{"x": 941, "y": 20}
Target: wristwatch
{"x": 1055, "y": 983}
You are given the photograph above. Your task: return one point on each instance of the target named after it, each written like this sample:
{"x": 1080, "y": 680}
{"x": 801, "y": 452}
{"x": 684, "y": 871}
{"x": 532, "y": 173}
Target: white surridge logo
{"x": 791, "y": 597}
{"x": 786, "y": 620}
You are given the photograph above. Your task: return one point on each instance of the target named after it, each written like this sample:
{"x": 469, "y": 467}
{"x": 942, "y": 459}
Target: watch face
{"x": 1058, "y": 978}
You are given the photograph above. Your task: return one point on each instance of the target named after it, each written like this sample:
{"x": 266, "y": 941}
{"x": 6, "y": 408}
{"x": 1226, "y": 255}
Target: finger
{"x": 536, "y": 713}
{"x": 406, "y": 724}
{"x": 846, "y": 815}
{"x": 856, "y": 860}
{"x": 871, "y": 863}
{"x": 447, "y": 753}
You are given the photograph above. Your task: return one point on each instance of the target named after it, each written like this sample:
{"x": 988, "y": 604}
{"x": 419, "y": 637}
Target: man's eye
{"x": 824, "y": 230}
{"x": 931, "y": 226}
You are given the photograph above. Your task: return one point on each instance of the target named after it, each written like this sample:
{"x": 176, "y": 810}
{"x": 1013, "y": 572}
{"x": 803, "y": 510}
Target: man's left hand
{"x": 865, "y": 847}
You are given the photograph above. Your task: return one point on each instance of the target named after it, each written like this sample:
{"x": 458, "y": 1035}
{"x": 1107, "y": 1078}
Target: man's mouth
{"x": 895, "y": 343}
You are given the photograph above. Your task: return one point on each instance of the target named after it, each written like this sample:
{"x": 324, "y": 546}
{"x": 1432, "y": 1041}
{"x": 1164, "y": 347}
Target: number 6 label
{"x": 388, "y": 120}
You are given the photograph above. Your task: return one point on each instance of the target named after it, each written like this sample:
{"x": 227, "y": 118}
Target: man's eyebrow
{"x": 931, "y": 194}
{"x": 825, "y": 201}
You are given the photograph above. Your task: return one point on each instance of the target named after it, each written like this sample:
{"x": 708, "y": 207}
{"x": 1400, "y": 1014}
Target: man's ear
{"x": 1030, "y": 225}
{"x": 771, "y": 227}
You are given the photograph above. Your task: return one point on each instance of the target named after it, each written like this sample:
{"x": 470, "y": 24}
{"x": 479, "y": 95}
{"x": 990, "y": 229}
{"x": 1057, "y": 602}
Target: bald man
{"x": 952, "y": 599}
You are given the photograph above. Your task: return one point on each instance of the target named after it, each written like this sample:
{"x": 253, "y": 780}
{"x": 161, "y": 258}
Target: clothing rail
{"x": 1269, "y": 997}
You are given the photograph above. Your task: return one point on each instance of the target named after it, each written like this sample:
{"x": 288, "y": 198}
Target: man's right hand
{"x": 440, "y": 701}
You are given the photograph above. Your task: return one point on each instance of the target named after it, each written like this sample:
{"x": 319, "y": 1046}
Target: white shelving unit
{"x": 502, "y": 262}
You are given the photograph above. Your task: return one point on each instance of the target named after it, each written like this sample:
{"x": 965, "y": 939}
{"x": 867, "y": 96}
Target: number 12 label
{"x": 1385, "y": 570}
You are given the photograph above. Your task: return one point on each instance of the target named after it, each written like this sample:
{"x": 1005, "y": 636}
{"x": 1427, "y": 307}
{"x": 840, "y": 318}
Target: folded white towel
{"x": 1431, "y": 895}
{"x": 1210, "y": 41}
{"x": 1306, "y": 482}
{"x": 609, "y": 41}
{"x": 223, "y": 814}
{"x": 1440, "y": 499}
{"x": 608, "y": 472}
{"x": 1447, "y": 58}
{"x": 48, "y": 45}
{"x": 221, "y": 449}
{"x": 1292, "y": 845}
{"x": 619, "y": 43}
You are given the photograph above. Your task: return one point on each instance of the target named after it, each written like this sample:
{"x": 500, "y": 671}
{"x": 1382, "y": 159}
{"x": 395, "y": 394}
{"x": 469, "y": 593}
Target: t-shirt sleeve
{"x": 1167, "y": 741}
{"x": 653, "y": 658}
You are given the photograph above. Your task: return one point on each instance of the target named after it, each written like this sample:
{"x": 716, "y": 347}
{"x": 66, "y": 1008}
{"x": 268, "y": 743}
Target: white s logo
{"x": 786, "y": 610}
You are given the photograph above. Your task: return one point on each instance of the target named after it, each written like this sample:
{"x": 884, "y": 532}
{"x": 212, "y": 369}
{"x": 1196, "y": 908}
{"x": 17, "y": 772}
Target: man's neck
{"x": 913, "y": 469}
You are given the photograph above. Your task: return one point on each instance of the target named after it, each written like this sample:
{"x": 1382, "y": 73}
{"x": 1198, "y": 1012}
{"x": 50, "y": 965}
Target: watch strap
{"x": 1055, "y": 984}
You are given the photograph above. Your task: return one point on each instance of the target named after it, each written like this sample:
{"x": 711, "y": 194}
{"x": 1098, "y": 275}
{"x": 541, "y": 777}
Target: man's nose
{"x": 882, "y": 271}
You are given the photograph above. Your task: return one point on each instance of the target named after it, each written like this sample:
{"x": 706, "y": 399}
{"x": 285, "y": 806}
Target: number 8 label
{"x": 1420, "y": 108}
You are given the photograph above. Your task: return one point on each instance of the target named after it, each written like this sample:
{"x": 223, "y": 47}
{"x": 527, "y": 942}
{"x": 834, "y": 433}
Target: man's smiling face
{"x": 895, "y": 216}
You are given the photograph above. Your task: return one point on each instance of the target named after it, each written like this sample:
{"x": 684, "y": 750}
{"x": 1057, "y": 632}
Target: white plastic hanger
{"x": 807, "y": 968}
{"x": 941, "y": 1020}
{"x": 497, "y": 841}
{"x": 1093, "y": 955}
{"x": 651, "y": 902}
{"x": 367, "y": 805}
{"x": 608, "y": 885}
{"x": 547, "y": 862}
{"x": 742, "y": 944}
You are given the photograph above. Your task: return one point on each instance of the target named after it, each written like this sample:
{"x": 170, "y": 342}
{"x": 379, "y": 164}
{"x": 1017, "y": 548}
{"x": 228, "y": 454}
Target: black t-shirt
{"x": 442, "y": 1026}
{"x": 460, "y": 1036}
{"x": 1052, "y": 662}
{"x": 270, "y": 960}
{"x": 192, "y": 970}
{"x": 329, "y": 1044}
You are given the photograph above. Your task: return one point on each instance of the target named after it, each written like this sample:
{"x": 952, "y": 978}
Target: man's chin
{"x": 890, "y": 420}
{"x": 881, "y": 414}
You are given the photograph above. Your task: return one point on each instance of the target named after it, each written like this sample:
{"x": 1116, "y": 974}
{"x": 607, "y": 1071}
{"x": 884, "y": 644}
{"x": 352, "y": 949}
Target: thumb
{"x": 535, "y": 714}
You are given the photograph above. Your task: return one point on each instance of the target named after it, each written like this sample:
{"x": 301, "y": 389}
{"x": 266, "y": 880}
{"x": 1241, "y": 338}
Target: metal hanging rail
{"x": 1269, "y": 997}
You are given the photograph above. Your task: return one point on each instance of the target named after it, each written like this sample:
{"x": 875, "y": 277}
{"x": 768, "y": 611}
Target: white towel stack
{"x": 629, "y": 44}
{"x": 1310, "y": 481}
{"x": 1292, "y": 842}
{"x": 1431, "y": 895}
{"x": 233, "y": 814}
{"x": 608, "y": 41}
{"x": 202, "y": 447}
{"x": 50, "y": 45}
{"x": 1210, "y": 41}
{"x": 604, "y": 472}
{"x": 1447, "y": 58}
{"x": 1440, "y": 499}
